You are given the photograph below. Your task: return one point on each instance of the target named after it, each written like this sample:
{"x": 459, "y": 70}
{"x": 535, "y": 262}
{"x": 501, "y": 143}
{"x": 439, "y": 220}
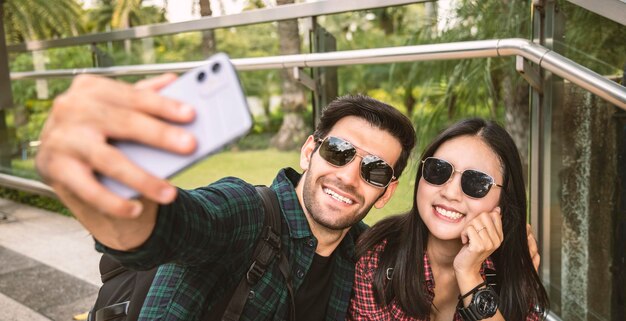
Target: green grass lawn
{"x": 256, "y": 167}
{"x": 261, "y": 166}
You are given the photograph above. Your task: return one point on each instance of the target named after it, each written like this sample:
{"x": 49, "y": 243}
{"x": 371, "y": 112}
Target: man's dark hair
{"x": 378, "y": 114}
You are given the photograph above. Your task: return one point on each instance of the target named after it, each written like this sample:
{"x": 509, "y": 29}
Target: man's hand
{"x": 74, "y": 146}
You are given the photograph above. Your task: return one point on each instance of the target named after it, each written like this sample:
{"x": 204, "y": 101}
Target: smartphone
{"x": 222, "y": 116}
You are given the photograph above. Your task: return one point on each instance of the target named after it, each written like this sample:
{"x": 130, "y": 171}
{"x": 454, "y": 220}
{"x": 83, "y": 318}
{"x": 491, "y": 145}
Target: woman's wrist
{"x": 467, "y": 282}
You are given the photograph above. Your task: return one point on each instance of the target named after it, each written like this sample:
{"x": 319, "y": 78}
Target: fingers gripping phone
{"x": 222, "y": 116}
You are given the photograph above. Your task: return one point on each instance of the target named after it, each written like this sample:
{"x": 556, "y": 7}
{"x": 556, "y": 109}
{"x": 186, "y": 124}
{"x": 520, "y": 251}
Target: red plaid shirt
{"x": 363, "y": 306}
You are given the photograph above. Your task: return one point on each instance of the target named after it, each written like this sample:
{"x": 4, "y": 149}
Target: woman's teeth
{"x": 448, "y": 214}
{"x": 337, "y": 196}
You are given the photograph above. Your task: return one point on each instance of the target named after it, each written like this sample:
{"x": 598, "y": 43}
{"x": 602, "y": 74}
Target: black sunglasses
{"x": 339, "y": 152}
{"x": 475, "y": 184}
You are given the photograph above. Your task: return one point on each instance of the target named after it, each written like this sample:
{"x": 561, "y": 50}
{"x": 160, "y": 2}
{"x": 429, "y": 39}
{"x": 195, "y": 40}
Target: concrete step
{"x": 48, "y": 269}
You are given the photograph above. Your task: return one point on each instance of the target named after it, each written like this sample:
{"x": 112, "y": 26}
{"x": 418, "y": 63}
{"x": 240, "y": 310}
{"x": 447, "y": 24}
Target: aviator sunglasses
{"x": 475, "y": 184}
{"x": 339, "y": 152}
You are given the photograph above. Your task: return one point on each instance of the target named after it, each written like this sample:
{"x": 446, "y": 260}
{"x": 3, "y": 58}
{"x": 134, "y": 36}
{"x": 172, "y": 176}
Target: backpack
{"x": 123, "y": 291}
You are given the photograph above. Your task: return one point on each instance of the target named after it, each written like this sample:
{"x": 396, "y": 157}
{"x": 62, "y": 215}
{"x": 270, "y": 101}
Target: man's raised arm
{"x": 75, "y": 145}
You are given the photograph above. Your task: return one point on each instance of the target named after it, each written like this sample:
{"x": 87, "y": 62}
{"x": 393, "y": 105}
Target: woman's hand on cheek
{"x": 481, "y": 236}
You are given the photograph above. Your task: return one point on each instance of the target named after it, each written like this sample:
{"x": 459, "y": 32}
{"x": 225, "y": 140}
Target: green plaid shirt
{"x": 209, "y": 234}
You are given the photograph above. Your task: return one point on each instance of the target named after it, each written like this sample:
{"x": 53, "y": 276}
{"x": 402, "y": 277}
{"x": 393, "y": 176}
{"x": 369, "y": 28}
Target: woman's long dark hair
{"x": 407, "y": 237}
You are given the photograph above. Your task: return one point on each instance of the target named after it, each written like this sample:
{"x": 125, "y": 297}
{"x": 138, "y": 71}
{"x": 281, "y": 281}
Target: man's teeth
{"x": 448, "y": 214}
{"x": 337, "y": 196}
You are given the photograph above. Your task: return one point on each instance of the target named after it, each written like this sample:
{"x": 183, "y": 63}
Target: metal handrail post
{"x": 6, "y": 95}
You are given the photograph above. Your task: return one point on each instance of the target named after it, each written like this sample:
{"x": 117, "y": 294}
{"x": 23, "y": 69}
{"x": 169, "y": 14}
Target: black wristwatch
{"x": 484, "y": 304}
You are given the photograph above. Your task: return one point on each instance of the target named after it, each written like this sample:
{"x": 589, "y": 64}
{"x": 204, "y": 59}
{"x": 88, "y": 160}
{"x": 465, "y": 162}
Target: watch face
{"x": 485, "y": 303}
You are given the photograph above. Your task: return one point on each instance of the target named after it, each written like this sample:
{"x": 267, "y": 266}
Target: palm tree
{"x": 25, "y": 20}
{"x": 123, "y": 14}
{"x": 99, "y": 18}
{"x": 123, "y": 10}
{"x": 293, "y": 130}
{"x": 41, "y": 19}
{"x": 209, "y": 46}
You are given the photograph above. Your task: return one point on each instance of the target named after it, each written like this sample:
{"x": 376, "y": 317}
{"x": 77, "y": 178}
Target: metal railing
{"x": 539, "y": 55}
{"x": 27, "y": 185}
{"x": 284, "y": 12}
{"x": 543, "y": 57}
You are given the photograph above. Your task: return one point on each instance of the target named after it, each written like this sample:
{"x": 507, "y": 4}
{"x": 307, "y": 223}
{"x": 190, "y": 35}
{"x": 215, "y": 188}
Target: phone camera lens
{"x": 216, "y": 67}
{"x": 201, "y": 76}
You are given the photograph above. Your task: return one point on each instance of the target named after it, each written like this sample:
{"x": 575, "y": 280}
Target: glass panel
{"x": 586, "y": 268}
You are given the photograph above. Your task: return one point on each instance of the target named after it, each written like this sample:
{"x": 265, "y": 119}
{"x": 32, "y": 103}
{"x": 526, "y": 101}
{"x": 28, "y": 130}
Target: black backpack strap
{"x": 267, "y": 248}
{"x": 283, "y": 265}
{"x": 122, "y": 293}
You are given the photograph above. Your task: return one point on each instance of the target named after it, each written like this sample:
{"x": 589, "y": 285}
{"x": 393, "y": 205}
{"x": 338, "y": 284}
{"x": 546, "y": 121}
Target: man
{"x": 351, "y": 163}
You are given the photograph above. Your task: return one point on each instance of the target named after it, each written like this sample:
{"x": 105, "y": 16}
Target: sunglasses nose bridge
{"x": 350, "y": 172}
{"x": 356, "y": 153}
{"x": 452, "y": 189}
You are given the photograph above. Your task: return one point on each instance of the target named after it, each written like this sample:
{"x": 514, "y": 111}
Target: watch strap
{"x": 472, "y": 291}
{"x": 467, "y": 314}
{"x": 491, "y": 278}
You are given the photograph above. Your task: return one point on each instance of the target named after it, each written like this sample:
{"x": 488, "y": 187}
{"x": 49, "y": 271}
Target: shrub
{"x": 46, "y": 203}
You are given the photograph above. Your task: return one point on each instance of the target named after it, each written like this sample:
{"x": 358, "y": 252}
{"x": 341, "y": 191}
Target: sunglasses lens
{"x": 376, "y": 171}
{"x": 436, "y": 171}
{"x": 475, "y": 184}
{"x": 337, "y": 151}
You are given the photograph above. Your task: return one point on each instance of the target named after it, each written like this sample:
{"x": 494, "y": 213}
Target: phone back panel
{"x": 222, "y": 116}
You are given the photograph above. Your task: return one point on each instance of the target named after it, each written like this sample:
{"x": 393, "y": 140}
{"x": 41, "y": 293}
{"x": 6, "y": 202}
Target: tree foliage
{"x": 41, "y": 19}
{"x": 120, "y": 14}
{"x": 436, "y": 93}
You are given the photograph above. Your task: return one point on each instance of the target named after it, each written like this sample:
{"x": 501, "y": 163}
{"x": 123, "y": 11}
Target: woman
{"x": 468, "y": 219}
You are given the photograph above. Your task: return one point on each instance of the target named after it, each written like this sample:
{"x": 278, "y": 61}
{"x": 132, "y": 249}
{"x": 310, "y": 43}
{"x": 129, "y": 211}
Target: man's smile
{"x": 337, "y": 197}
